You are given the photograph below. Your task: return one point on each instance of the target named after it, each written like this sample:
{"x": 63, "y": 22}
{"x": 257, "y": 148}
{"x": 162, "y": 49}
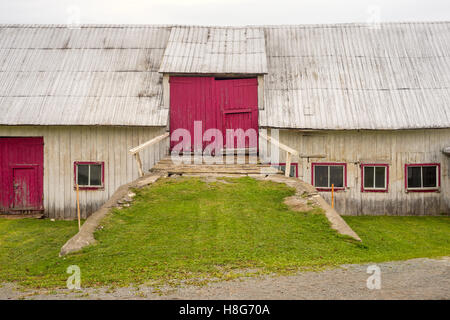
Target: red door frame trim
{"x": 438, "y": 165}
{"x": 313, "y": 164}
{"x": 374, "y": 165}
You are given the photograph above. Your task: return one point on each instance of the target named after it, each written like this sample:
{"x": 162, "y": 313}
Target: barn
{"x": 367, "y": 109}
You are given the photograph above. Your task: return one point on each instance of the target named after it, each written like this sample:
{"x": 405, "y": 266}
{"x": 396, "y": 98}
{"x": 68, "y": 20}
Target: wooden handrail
{"x": 289, "y": 152}
{"x": 148, "y": 143}
{"x": 135, "y": 151}
{"x": 279, "y": 144}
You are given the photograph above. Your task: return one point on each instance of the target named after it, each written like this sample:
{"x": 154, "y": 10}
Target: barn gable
{"x": 215, "y": 50}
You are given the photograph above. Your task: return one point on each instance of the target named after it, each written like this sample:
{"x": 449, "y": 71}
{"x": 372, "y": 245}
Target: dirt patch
{"x": 298, "y": 204}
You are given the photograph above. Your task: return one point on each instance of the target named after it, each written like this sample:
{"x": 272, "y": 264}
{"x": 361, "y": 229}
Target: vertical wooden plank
{"x": 139, "y": 164}
{"x": 120, "y": 158}
{"x": 166, "y": 91}
{"x": 129, "y": 158}
{"x": 111, "y": 160}
{"x": 288, "y": 164}
{"x": 67, "y": 171}
{"x": 76, "y": 147}
{"x": 84, "y": 157}
{"x": 103, "y": 155}
{"x": 261, "y": 92}
{"x": 47, "y": 196}
{"x": 54, "y": 172}
{"x": 98, "y": 195}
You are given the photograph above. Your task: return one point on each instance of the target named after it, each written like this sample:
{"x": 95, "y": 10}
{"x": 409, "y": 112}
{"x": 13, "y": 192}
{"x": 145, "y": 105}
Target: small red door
{"x": 25, "y": 188}
{"x": 21, "y": 174}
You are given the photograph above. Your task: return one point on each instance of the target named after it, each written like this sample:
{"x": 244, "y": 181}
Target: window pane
{"x": 429, "y": 177}
{"x": 337, "y": 176}
{"x": 283, "y": 169}
{"x": 96, "y": 175}
{"x": 321, "y": 176}
{"x": 83, "y": 171}
{"x": 368, "y": 177}
{"x": 380, "y": 174}
{"x": 293, "y": 172}
{"x": 414, "y": 177}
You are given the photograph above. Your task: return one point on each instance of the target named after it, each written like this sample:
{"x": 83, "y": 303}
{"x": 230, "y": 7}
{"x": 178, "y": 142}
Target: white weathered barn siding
{"x": 65, "y": 144}
{"x": 96, "y": 91}
{"x": 396, "y": 148}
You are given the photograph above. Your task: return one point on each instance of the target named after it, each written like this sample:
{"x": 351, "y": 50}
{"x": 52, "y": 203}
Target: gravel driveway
{"x": 411, "y": 279}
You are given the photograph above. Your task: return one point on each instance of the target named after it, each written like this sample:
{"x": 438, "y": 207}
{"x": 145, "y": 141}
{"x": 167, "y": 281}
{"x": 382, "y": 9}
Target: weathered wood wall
{"x": 65, "y": 144}
{"x": 393, "y": 147}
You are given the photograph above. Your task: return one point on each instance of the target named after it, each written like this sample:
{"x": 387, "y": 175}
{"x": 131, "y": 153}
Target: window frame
{"x": 422, "y": 189}
{"x": 294, "y": 164}
{"x": 343, "y": 164}
{"x": 386, "y": 178}
{"x": 75, "y": 170}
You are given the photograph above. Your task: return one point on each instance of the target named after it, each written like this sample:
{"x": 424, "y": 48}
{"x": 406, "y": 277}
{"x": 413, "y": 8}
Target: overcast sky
{"x": 221, "y": 12}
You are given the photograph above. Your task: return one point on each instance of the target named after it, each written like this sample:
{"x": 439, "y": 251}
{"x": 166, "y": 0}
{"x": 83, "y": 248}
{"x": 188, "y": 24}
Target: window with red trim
{"x": 324, "y": 175}
{"x": 374, "y": 177}
{"x": 89, "y": 175}
{"x": 422, "y": 176}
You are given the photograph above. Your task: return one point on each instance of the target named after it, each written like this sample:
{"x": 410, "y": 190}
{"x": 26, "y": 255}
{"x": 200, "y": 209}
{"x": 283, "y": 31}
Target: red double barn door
{"x": 21, "y": 174}
{"x": 228, "y": 105}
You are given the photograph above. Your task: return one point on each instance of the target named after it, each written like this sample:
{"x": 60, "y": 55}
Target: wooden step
{"x": 246, "y": 168}
{"x": 240, "y": 159}
{"x": 234, "y": 151}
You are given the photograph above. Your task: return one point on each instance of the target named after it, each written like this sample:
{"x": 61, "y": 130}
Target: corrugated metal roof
{"x": 215, "y": 50}
{"x": 95, "y": 75}
{"x": 356, "y": 77}
{"x": 319, "y": 76}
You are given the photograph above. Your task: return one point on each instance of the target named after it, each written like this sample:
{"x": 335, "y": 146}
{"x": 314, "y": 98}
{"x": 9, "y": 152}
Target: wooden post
{"x": 139, "y": 164}
{"x": 332, "y": 195}
{"x": 287, "y": 171}
{"x": 78, "y": 208}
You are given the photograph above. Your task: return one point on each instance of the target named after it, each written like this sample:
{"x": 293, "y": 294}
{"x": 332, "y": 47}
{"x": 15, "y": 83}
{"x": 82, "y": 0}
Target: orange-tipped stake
{"x": 332, "y": 195}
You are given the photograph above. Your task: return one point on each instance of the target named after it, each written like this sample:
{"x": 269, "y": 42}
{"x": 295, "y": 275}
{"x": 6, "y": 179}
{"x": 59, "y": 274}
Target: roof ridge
{"x": 312, "y": 25}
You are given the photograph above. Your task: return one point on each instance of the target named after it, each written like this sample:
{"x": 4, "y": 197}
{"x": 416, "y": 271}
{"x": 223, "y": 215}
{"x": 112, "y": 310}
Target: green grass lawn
{"x": 188, "y": 229}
